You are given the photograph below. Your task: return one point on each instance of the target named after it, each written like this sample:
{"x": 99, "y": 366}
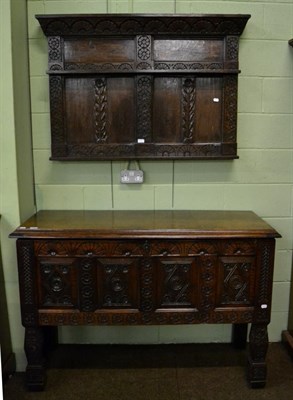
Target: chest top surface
{"x": 144, "y": 224}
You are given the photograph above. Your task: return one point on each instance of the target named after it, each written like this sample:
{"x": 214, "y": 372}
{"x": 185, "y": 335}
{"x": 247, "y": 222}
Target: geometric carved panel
{"x": 236, "y": 280}
{"x": 176, "y": 283}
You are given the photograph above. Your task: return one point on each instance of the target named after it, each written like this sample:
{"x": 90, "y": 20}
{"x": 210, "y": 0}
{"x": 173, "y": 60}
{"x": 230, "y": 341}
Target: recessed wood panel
{"x": 209, "y": 106}
{"x": 79, "y": 110}
{"x": 236, "y": 281}
{"x": 167, "y": 109}
{"x": 117, "y": 283}
{"x": 196, "y": 50}
{"x": 57, "y": 283}
{"x": 177, "y": 285}
{"x": 96, "y": 50}
{"x": 120, "y": 110}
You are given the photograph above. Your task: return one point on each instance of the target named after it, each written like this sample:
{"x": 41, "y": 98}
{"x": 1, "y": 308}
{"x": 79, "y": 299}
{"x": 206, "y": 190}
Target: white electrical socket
{"x": 131, "y": 176}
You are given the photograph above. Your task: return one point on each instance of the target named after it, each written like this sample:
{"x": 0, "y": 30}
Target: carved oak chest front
{"x": 145, "y": 267}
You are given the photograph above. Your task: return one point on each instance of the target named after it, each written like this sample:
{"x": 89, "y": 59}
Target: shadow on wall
{"x": 7, "y": 356}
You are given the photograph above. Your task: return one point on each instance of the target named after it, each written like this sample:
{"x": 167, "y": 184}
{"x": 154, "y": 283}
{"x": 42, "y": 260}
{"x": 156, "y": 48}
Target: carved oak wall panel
{"x": 143, "y": 86}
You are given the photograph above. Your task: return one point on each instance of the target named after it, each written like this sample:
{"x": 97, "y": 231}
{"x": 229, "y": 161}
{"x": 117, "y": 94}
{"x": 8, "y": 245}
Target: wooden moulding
{"x": 143, "y": 86}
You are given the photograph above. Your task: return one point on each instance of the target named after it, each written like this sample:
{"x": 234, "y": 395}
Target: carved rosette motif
{"x": 100, "y": 110}
{"x": 188, "y": 109}
{"x": 55, "y": 44}
{"x": 87, "y": 284}
{"x": 144, "y": 107}
{"x": 207, "y": 277}
{"x": 147, "y": 285}
{"x": 230, "y": 108}
{"x": 144, "y": 51}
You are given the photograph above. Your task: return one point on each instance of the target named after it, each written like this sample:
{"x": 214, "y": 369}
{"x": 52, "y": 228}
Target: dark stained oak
{"x": 127, "y": 86}
{"x": 142, "y": 268}
{"x": 179, "y": 223}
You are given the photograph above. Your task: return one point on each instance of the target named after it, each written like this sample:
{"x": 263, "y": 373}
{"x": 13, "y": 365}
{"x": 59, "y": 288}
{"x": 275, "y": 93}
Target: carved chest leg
{"x": 258, "y": 346}
{"x": 35, "y": 370}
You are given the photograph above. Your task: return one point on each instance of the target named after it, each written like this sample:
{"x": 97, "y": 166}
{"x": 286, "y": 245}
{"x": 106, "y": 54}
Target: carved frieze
{"x": 85, "y": 25}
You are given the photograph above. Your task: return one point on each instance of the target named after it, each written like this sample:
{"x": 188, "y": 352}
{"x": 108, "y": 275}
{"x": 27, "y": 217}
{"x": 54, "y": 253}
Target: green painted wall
{"x": 261, "y": 180}
{"x": 16, "y": 169}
